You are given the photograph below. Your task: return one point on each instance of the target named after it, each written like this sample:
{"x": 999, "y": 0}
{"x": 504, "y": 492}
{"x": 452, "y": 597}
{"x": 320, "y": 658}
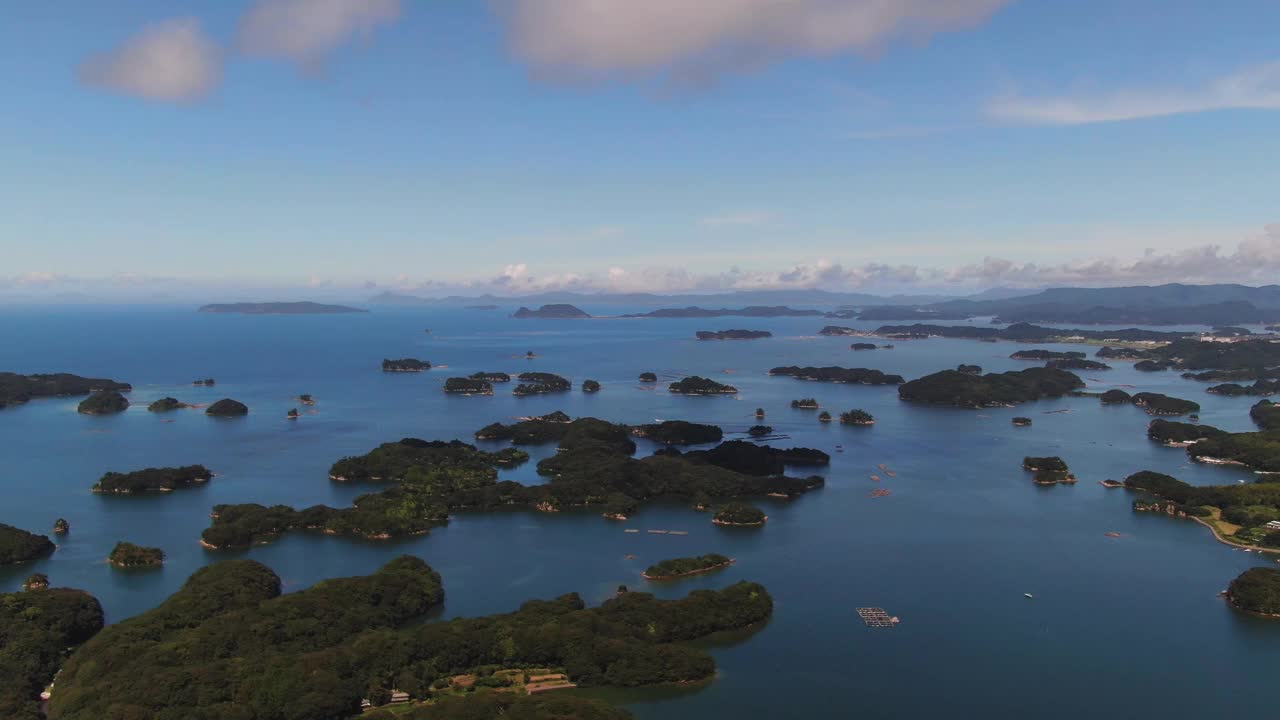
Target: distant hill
{"x": 279, "y": 308}
{"x": 818, "y": 298}
{"x": 555, "y": 310}
{"x": 698, "y": 312}
{"x": 1142, "y": 304}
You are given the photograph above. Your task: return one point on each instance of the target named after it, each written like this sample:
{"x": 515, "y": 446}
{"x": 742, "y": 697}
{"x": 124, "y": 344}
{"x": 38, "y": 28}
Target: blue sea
{"x": 1121, "y": 627}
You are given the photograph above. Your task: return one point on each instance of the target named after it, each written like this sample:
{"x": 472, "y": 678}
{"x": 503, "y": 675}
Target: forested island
{"x": 732, "y": 334}
{"x": 679, "y": 432}
{"x": 590, "y": 386}
{"x": 227, "y": 407}
{"x": 1160, "y": 404}
{"x": 1245, "y": 359}
{"x": 161, "y": 479}
{"x": 1256, "y": 590}
{"x": 1259, "y": 387}
{"x": 1049, "y": 470}
{"x": 554, "y": 310}
{"x": 38, "y": 629}
{"x": 126, "y": 555}
{"x": 492, "y": 377}
{"x": 740, "y": 515}
{"x": 105, "y": 402}
{"x": 405, "y": 365}
{"x": 958, "y": 389}
{"x": 1257, "y": 451}
{"x": 754, "y": 311}
{"x": 695, "y": 385}
{"x": 1077, "y": 364}
{"x": 1237, "y": 513}
{"x": 18, "y": 545}
{"x": 862, "y": 346}
{"x": 16, "y": 389}
{"x": 648, "y": 377}
{"x": 1021, "y": 421}
{"x": 852, "y": 376}
{"x": 426, "y": 481}
{"x": 166, "y": 404}
{"x": 969, "y": 369}
{"x": 539, "y": 383}
{"x": 857, "y": 417}
{"x": 235, "y": 647}
{"x": 1179, "y": 434}
{"x": 1023, "y": 332}
{"x": 805, "y": 404}
{"x": 468, "y": 386}
{"x": 279, "y": 308}
{"x": 680, "y": 567}
{"x": 1042, "y": 355}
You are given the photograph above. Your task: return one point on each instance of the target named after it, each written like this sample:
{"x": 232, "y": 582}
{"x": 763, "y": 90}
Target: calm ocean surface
{"x": 1118, "y": 628}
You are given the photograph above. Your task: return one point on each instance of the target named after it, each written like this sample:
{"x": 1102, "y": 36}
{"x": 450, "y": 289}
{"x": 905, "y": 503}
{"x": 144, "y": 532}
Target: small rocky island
{"x": 166, "y": 404}
{"x": 680, "y": 567}
{"x": 279, "y": 308}
{"x": 733, "y": 334}
{"x": 161, "y": 479}
{"x": 852, "y": 376}
{"x": 18, "y": 545}
{"x": 126, "y": 555}
{"x": 696, "y": 385}
{"x": 824, "y": 417}
{"x": 1048, "y": 470}
{"x": 590, "y": 386}
{"x": 648, "y": 377}
{"x": 863, "y": 346}
{"x": 969, "y": 369}
{"x": 227, "y": 407}
{"x": 553, "y": 311}
{"x": 405, "y": 365}
{"x": 492, "y": 377}
{"x": 107, "y": 402}
{"x": 857, "y": 417}
{"x": 1158, "y": 404}
{"x": 1021, "y": 421}
{"x": 61, "y": 527}
{"x": 206, "y": 382}
{"x": 1179, "y": 434}
{"x": 805, "y": 404}
{"x": 35, "y": 582}
{"x": 467, "y": 386}
{"x": 541, "y": 383}
{"x": 1115, "y": 396}
{"x": 17, "y": 389}
{"x": 740, "y": 515}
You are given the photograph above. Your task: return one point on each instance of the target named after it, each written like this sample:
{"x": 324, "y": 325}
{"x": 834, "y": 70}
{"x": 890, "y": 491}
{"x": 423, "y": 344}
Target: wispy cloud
{"x": 1254, "y": 87}
{"x": 171, "y": 61}
{"x": 306, "y": 31}
{"x": 743, "y": 218}
{"x": 694, "y": 42}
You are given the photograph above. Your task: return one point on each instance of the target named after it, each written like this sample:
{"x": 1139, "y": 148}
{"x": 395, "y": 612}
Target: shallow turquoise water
{"x": 1127, "y": 627}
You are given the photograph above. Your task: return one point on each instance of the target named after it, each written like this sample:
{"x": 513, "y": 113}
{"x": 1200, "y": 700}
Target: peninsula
{"x": 553, "y": 311}
{"x": 18, "y": 545}
{"x": 40, "y": 627}
{"x": 279, "y": 308}
{"x": 1256, "y": 590}
{"x": 16, "y": 389}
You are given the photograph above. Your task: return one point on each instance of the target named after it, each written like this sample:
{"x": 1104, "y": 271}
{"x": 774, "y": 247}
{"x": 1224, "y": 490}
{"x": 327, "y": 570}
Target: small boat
{"x": 1027, "y": 595}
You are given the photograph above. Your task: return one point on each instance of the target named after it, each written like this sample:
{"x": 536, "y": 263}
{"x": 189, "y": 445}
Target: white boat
{"x": 1026, "y": 595}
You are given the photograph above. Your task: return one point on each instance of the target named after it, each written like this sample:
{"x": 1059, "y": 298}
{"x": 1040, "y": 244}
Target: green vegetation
{"x": 1177, "y": 434}
{"x": 677, "y": 567}
{"x": 538, "y": 383}
{"x": 1157, "y": 404}
{"x": 16, "y": 389}
{"x": 1116, "y": 396}
{"x": 36, "y": 581}
{"x": 1190, "y": 354}
{"x": 1259, "y": 387}
{"x": 554, "y": 310}
{"x": 760, "y": 413}
{"x": 128, "y": 555}
{"x": 61, "y": 527}
{"x": 1048, "y": 470}
{"x": 805, "y": 404}
{"x": 1025, "y": 332}
{"x": 304, "y": 307}
{"x": 106, "y": 402}
{"x": 293, "y": 414}
{"x": 739, "y": 514}
{"x": 206, "y": 382}
{"x": 468, "y": 386}
{"x": 1123, "y": 353}
{"x": 969, "y": 369}
{"x": 166, "y": 404}
{"x": 759, "y": 431}
{"x": 428, "y": 481}
{"x": 991, "y": 390}
{"x": 862, "y": 346}
{"x": 18, "y": 545}
{"x": 620, "y": 507}
{"x": 1040, "y": 355}
{"x": 695, "y": 385}
{"x": 1266, "y": 415}
{"x": 1249, "y": 506}
{"x": 405, "y": 365}
{"x": 1021, "y": 421}
{"x": 824, "y": 416}
{"x": 37, "y": 630}
{"x": 493, "y": 377}
{"x": 1077, "y": 364}
{"x": 590, "y": 386}
{"x": 1256, "y": 590}
{"x": 733, "y": 334}
{"x": 679, "y": 432}
{"x": 648, "y": 377}
{"x": 227, "y": 407}
{"x": 1258, "y": 451}
{"x": 1151, "y": 366}
{"x": 229, "y": 645}
{"x": 152, "y": 480}
{"x": 506, "y": 706}
{"x": 852, "y": 376}
{"x": 857, "y": 417}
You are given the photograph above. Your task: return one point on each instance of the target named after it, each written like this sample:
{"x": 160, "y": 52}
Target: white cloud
{"x": 1254, "y": 87}
{"x": 694, "y": 40}
{"x": 170, "y": 61}
{"x": 305, "y": 31}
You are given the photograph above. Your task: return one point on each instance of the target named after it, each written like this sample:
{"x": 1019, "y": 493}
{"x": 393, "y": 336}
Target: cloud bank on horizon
{"x": 1255, "y": 260}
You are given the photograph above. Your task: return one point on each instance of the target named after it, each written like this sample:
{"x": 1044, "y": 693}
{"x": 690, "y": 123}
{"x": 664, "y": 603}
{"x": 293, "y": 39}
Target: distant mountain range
{"x": 278, "y": 308}
{"x": 821, "y": 298}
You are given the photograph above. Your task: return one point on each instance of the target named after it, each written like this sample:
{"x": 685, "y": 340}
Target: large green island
{"x": 951, "y": 387}
{"x": 18, "y": 545}
{"x": 163, "y": 479}
{"x": 680, "y": 567}
{"x": 17, "y": 389}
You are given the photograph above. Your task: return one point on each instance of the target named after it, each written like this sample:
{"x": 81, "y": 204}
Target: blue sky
{"x": 600, "y": 145}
